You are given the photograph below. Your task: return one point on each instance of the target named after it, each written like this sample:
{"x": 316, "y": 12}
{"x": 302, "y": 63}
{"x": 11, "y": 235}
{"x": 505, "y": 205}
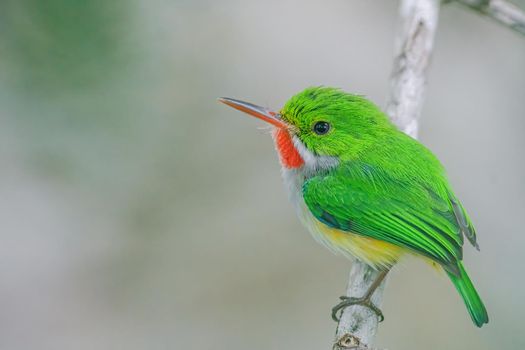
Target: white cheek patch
{"x": 308, "y": 157}
{"x": 312, "y": 162}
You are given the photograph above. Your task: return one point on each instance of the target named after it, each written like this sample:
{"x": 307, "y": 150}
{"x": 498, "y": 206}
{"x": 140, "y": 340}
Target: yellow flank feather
{"x": 376, "y": 253}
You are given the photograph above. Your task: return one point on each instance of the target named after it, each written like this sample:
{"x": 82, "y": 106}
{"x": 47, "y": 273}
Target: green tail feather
{"x": 475, "y": 306}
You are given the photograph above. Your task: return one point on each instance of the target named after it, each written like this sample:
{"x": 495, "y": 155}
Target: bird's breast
{"x": 376, "y": 253}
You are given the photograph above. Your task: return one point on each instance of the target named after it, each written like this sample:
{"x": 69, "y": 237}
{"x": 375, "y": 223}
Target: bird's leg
{"x": 365, "y": 300}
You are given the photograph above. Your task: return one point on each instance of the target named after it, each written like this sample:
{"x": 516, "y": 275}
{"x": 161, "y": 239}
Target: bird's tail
{"x": 475, "y": 306}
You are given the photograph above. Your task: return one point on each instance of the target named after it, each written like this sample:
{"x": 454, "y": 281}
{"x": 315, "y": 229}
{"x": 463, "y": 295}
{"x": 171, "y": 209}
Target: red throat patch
{"x": 288, "y": 154}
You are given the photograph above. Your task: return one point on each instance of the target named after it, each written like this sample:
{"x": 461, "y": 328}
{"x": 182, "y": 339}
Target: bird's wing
{"x": 364, "y": 200}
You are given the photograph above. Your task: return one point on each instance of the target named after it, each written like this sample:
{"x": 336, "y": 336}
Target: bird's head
{"x": 321, "y": 124}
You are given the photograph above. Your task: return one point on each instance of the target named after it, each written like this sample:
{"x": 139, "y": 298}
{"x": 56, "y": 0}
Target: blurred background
{"x": 138, "y": 213}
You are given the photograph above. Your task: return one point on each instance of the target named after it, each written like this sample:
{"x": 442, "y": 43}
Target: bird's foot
{"x": 348, "y": 301}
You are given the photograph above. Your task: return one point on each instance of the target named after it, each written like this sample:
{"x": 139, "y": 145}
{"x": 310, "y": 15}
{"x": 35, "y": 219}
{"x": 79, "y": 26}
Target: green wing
{"x": 365, "y": 200}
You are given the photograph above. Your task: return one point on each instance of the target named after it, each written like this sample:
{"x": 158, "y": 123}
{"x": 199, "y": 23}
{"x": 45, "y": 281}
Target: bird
{"x": 365, "y": 189}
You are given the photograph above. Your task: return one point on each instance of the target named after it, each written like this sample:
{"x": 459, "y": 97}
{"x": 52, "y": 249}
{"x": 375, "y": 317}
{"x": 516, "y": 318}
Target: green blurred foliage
{"x": 56, "y": 45}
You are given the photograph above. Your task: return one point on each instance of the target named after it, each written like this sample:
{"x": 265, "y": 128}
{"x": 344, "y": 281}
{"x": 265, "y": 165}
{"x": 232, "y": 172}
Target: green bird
{"x": 367, "y": 190}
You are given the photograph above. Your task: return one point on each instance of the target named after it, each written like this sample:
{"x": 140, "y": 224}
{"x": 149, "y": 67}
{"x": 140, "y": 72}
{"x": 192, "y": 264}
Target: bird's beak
{"x": 256, "y": 111}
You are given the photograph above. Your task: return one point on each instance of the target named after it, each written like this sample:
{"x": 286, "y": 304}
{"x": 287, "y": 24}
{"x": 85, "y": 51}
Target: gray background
{"x": 138, "y": 213}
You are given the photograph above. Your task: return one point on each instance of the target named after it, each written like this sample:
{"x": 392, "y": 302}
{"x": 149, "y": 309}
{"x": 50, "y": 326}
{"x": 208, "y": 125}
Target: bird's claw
{"x": 348, "y": 301}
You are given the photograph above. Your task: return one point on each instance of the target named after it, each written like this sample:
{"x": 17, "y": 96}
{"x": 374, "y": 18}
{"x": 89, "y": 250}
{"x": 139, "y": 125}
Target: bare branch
{"x": 358, "y": 324}
{"x": 418, "y": 21}
{"x": 413, "y": 49}
{"x": 499, "y": 10}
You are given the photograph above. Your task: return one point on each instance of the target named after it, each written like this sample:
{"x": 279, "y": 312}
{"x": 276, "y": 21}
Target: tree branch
{"x": 414, "y": 43}
{"x": 418, "y": 22}
{"x": 499, "y": 10}
{"x": 358, "y": 324}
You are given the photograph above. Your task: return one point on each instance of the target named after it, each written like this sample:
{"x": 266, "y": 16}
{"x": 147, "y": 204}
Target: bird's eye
{"x": 321, "y": 128}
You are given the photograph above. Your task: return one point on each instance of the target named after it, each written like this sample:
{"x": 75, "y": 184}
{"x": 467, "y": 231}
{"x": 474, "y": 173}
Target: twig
{"x": 499, "y": 10}
{"x": 358, "y": 324}
{"x": 418, "y": 21}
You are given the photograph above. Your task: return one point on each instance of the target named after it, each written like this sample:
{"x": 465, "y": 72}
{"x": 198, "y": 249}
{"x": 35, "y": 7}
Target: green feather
{"x": 470, "y": 296}
{"x": 386, "y": 185}
{"x": 369, "y": 201}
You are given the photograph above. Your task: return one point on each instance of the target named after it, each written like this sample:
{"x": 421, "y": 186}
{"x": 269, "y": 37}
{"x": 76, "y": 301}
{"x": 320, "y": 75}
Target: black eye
{"x": 321, "y": 128}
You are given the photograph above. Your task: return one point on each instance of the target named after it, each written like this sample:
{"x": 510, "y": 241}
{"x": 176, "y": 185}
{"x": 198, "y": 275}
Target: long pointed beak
{"x": 256, "y": 111}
